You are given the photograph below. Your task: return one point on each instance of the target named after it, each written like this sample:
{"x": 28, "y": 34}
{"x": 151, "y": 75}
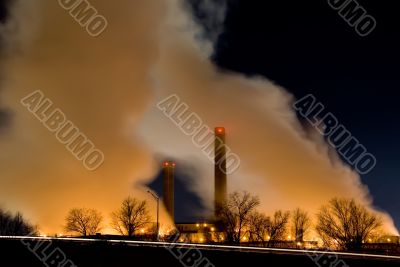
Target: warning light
{"x": 220, "y": 130}
{"x": 169, "y": 164}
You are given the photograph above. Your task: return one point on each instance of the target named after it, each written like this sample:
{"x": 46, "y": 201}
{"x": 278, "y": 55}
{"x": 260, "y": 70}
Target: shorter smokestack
{"x": 168, "y": 187}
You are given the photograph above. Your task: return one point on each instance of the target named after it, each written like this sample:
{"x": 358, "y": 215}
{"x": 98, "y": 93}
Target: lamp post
{"x": 158, "y": 204}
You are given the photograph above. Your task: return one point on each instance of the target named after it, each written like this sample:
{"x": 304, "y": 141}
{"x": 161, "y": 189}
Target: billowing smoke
{"x": 109, "y": 87}
{"x": 103, "y": 86}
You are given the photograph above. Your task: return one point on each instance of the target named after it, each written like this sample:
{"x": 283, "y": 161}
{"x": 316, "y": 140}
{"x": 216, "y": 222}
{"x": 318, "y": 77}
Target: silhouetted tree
{"x": 15, "y": 225}
{"x": 234, "y": 215}
{"x": 277, "y": 226}
{"x": 132, "y": 215}
{"x": 258, "y": 227}
{"x": 83, "y": 221}
{"x": 301, "y": 223}
{"x": 345, "y": 224}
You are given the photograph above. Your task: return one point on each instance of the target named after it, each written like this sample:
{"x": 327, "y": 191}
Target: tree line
{"x": 132, "y": 215}
{"x": 340, "y": 224}
{"x": 15, "y": 225}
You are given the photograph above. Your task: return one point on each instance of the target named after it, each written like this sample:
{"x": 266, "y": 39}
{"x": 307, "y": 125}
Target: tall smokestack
{"x": 168, "y": 187}
{"x": 220, "y": 168}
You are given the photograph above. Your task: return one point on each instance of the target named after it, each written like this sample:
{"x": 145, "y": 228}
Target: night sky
{"x": 307, "y": 47}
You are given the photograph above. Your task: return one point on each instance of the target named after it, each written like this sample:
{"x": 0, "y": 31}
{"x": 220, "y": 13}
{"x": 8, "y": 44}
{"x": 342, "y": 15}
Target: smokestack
{"x": 220, "y": 168}
{"x": 168, "y": 187}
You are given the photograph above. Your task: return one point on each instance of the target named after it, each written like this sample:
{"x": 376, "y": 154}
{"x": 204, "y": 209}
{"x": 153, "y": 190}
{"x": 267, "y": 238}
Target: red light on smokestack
{"x": 220, "y": 130}
{"x": 169, "y": 164}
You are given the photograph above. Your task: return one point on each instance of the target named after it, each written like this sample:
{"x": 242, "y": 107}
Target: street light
{"x": 158, "y": 200}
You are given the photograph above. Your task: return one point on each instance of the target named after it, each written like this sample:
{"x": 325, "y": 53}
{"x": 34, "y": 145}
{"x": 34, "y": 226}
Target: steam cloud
{"x": 109, "y": 87}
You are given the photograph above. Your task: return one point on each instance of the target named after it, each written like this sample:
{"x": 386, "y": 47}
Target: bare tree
{"x": 301, "y": 223}
{"x": 277, "y": 226}
{"x": 15, "y": 225}
{"x": 83, "y": 221}
{"x": 132, "y": 215}
{"x": 345, "y": 224}
{"x": 263, "y": 228}
{"x": 234, "y": 215}
{"x": 258, "y": 227}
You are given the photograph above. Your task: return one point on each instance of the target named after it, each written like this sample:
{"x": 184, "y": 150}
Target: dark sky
{"x": 4, "y": 116}
{"x": 2, "y": 12}
{"x": 307, "y": 47}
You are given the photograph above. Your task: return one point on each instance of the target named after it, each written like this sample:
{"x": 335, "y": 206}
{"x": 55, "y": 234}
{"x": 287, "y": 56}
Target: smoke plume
{"x": 109, "y": 87}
